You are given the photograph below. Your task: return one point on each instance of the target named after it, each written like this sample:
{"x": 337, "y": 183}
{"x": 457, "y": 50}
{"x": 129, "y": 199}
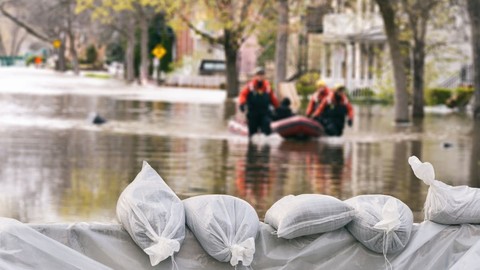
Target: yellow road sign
{"x": 159, "y": 51}
{"x": 56, "y": 43}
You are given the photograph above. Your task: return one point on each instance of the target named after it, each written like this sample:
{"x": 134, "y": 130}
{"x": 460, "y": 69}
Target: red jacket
{"x": 251, "y": 86}
{"x": 316, "y": 99}
{"x": 331, "y": 99}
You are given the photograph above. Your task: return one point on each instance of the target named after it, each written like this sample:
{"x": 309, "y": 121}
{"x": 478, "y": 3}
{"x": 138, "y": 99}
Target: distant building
{"x": 354, "y": 50}
{"x": 192, "y": 48}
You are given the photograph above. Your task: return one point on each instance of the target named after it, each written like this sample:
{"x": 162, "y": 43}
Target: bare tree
{"x": 21, "y": 23}
{"x": 18, "y": 37}
{"x": 48, "y": 20}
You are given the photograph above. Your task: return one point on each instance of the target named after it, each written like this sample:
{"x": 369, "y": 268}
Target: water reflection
{"x": 254, "y": 177}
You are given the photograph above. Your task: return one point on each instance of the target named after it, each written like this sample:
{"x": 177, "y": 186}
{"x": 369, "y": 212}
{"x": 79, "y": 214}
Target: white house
{"x": 355, "y": 51}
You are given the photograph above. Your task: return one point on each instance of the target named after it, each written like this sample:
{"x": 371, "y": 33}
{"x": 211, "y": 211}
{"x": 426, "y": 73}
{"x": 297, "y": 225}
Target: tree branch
{"x": 244, "y": 32}
{"x": 210, "y": 38}
{"x": 27, "y": 28}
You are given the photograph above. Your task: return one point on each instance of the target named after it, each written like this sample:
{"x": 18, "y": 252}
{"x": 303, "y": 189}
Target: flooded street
{"x": 56, "y": 166}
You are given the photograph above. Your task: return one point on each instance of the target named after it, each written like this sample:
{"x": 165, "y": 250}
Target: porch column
{"x": 323, "y": 67}
{"x": 349, "y": 62}
{"x": 357, "y": 64}
{"x": 366, "y": 63}
{"x": 375, "y": 69}
{"x": 333, "y": 68}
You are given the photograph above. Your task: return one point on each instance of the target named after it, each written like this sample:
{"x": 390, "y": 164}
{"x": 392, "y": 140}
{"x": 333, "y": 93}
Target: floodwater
{"x": 55, "y": 166}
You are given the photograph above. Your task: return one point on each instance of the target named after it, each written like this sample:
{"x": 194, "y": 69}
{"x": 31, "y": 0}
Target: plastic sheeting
{"x": 431, "y": 246}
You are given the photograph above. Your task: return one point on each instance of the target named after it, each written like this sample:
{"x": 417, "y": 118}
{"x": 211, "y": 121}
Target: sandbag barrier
{"x": 226, "y": 226}
{"x": 308, "y": 231}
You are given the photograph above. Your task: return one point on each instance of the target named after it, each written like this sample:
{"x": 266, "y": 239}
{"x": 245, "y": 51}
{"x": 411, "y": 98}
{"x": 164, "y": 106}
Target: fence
{"x": 6, "y": 61}
{"x": 463, "y": 77}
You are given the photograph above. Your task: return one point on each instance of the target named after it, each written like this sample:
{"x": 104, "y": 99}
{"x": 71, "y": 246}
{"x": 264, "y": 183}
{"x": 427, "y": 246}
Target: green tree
{"x": 121, "y": 20}
{"x": 133, "y": 14}
{"x": 231, "y": 22}
{"x": 418, "y": 13}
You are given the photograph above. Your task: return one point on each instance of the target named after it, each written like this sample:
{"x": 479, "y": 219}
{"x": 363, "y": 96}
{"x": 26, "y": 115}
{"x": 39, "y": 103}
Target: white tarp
{"x": 431, "y": 246}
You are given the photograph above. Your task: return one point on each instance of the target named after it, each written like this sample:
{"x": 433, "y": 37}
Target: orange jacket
{"x": 331, "y": 99}
{"x": 251, "y": 86}
{"x": 316, "y": 99}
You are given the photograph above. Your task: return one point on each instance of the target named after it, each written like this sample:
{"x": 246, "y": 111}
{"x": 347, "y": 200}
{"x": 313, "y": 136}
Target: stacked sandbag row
{"x": 155, "y": 218}
{"x": 226, "y": 226}
{"x": 381, "y": 223}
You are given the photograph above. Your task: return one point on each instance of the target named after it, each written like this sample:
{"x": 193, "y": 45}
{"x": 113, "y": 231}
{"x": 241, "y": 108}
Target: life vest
{"x": 258, "y": 102}
{"x": 337, "y": 110}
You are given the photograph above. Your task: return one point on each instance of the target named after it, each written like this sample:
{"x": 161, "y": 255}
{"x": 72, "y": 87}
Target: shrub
{"x": 31, "y": 60}
{"x": 436, "y": 96}
{"x": 464, "y": 94}
{"x": 91, "y": 55}
{"x": 460, "y": 97}
{"x": 306, "y": 83}
{"x": 98, "y": 75}
{"x": 385, "y": 95}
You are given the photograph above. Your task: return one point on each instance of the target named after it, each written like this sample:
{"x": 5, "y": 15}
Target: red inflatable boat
{"x": 295, "y": 127}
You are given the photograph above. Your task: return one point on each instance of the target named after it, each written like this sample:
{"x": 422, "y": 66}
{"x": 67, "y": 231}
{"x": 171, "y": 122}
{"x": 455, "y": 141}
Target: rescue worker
{"x": 283, "y": 111}
{"x": 332, "y": 111}
{"x": 315, "y": 100}
{"x": 256, "y": 97}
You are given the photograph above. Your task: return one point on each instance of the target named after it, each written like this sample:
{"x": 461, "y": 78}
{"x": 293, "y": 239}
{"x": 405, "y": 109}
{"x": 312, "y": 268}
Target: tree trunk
{"x": 2, "y": 47}
{"x": 71, "y": 38}
{"x": 282, "y": 42}
{"x": 16, "y": 49}
{"x": 418, "y": 80}
{"x": 130, "y": 57}
{"x": 391, "y": 29}
{"x": 61, "y": 63}
{"x": 473, "y": 7}
{"x": 144, "y": 62}
{"x": 73, "y": 52}
{"x": 231, "y": 53}
{"x": 13, "y": 39}
{"x": 20, "y": 23}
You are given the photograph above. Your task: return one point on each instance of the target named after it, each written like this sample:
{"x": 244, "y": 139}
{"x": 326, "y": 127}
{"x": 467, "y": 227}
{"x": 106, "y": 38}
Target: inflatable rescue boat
{"x": 295, "y": 127}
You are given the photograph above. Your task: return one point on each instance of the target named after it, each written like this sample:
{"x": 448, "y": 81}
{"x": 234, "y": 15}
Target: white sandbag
{"x": 382, "y": 223}
{"x": 306, "y": 214}
{"x": 224, "y": 226}
{"x": 446, "y": 204}
{"x": 152, "y": 214}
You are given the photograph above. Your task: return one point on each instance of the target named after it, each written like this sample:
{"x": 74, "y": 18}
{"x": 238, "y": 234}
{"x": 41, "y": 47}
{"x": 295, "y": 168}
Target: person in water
{"x": 322, "y": 92}
{"x": 283, "y": 111}
{"x": 256, "y": 98}
{"x": 333, "y": 110}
